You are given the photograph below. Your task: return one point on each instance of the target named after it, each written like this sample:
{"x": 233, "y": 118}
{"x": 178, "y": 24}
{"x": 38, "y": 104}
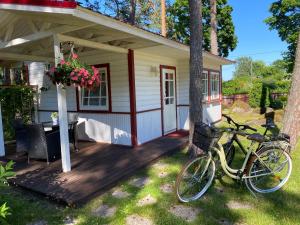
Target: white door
{"x": 169, "y": 100}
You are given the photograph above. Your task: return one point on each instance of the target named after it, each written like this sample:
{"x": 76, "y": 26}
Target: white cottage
{"x": 145, "y": 90}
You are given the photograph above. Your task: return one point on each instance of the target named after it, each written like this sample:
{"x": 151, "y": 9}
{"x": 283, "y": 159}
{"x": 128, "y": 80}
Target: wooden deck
{"x": 95, "y": 168}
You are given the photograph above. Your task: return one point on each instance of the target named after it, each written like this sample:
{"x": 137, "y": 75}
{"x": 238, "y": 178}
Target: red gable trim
{"x": 47, "y": 3}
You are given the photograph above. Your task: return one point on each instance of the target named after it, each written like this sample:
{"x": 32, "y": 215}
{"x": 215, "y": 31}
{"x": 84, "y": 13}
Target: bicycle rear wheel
{"x": 195, "y": 178}
{"x": 270, "y": 171}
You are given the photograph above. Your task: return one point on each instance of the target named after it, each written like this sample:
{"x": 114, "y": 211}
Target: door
{"x": 169, "y": 99}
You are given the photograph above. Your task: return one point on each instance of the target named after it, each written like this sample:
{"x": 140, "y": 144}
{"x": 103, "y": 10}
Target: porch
{"x": 95, "y": 168}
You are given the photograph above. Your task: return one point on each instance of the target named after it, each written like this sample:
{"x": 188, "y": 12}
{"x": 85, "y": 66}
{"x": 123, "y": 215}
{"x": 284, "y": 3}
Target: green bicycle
{"x": 263, "y": 171}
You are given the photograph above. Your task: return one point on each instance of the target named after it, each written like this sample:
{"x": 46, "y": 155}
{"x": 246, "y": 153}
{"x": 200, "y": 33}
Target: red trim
{"x": 90, "y": 112}
{"x": 183, "y": 105}
{"x": 132, "y": 94}
{"x": 148, "y": 110}
{"x": 52, "y": 3}
{"x": 105, "y": 65}
{"x": 208, "y": 87}
{"x": 161, "y": 67}
{"x": 161, "y": 101}
{"x": 220, "y": 81}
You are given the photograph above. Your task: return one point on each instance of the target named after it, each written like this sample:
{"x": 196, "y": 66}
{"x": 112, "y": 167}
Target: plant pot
{"x": 55, "y": 121}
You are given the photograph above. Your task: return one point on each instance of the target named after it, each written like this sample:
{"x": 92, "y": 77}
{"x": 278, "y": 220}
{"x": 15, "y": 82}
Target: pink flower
{"x": 75, "y": 56}
{"x": 74, "y": 78}
{"x": 68, "y": 64}
{"x": 90, "y": 82}
{"x": 62, "y": 62}
{"x": 52, "y": 70}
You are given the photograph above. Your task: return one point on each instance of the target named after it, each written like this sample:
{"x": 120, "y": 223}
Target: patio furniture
{"x": 21, "y": 136}
{"x": 41, "y": 144}
{"x": 73, "y": 136}
{"x": 72, "y": 128}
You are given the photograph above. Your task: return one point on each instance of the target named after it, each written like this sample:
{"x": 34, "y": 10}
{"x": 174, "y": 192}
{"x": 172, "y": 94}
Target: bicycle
{"x": 263, "y": 171}
{"x": 282, "y": 140}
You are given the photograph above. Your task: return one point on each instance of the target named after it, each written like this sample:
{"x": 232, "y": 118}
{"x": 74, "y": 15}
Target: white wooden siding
{"x": 183, "y": 117}
{"x": 109, "y": 128}
{"x": 211, "y": 112}
{"x": 148, "y": 126}
{"x": 147, "y": 79}
{"x": 147, "y": 84}
{"x": 119, "y": 78}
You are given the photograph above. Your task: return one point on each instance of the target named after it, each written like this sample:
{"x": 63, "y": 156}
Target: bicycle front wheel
{"x": 195, "y": 178}
{"x": 270, "y": 170}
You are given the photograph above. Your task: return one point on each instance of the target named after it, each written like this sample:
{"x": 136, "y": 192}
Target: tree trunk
{"x": 291, "y": 119}
{"x": 213, "y": 28}
{"x": 132, "y": 12}
{"x": 163, "y": 18}
{"x": 195, "y": 94}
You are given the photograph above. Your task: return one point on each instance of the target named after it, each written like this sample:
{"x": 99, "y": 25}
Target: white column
{"x": 62, "y": 113}
{"x": 2, "y": 148}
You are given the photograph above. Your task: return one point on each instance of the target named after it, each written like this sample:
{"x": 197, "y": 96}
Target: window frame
{"x": 108, "y": 107}
{"x": 215, "y": 97}
{"x": 206, "y": 94}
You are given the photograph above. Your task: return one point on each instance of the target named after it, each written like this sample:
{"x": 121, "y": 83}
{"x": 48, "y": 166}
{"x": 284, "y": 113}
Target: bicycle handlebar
{"x": 238, "y": 126}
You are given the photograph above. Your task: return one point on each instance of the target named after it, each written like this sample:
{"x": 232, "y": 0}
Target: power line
{"x": 257, "y": 53}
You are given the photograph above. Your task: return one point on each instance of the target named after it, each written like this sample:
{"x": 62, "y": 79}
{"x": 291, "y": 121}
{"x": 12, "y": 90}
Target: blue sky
{"x": 255, "y": 39}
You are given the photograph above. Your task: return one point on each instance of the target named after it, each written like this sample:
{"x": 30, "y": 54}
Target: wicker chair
{"x": 73, "y": 134}
{"x": 41, "y": 144}
{"x": 21, "y": 136}
{"x": 73, "y": 131}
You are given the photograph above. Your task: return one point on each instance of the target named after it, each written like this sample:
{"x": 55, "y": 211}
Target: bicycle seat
{"x": 269, "y": 125}
{"x": 256, "y": 137}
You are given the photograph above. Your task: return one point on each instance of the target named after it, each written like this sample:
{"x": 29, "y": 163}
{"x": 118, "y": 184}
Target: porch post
{"x": 62, "y": 113}
{"x": 2, "y": 149}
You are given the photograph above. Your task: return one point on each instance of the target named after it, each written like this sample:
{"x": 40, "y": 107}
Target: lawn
{"x": 144, "y": 201}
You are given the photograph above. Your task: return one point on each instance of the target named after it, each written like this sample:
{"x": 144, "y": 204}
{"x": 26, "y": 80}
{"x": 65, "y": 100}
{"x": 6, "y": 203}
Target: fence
{"x": 229, "y": 100}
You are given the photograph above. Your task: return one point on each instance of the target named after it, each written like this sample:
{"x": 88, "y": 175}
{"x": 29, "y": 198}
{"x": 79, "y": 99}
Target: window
{"x": 97, "y": 98}
{"x": 205, "y": 85}
{"x": 214, "y": 85}
{"x": 169, "y": 88}
{"x": 14, "y": 75}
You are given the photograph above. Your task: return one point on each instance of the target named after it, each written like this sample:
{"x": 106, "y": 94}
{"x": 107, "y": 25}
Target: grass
{"x": 281, "y": 207}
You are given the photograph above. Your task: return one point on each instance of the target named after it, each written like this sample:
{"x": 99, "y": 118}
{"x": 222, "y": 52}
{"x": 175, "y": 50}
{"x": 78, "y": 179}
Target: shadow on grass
{"x": 213, "y": 207}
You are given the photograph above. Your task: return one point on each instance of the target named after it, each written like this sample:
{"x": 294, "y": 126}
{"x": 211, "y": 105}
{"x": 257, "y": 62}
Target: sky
{"x": 254, "y": 37}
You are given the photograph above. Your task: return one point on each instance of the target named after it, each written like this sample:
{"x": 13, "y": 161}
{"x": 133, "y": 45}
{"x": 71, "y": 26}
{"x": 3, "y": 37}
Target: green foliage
{"x": 286, "y": 20}
{"x": 265, "y": 80}
{"x": 147, "y": 12}
{"x": 5, "y": 173}
{"x": 179, "y": 25}
{"x": 259, "y": 95}
{"x": 16, "y": 101}
{"x": 242, "y": 85}
{"x": 4, "y": 211}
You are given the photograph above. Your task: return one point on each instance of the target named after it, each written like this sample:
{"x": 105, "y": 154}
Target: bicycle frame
{"x": 235, "y": 138}
{"x": 234, "y": 173}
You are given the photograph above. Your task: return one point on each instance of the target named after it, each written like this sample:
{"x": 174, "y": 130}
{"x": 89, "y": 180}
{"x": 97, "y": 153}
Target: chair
{"x": 41, "y": 144}
{"x": 73, "y": 131}
{"x": 73, "y": 134}
{"x": 21, "y": 136}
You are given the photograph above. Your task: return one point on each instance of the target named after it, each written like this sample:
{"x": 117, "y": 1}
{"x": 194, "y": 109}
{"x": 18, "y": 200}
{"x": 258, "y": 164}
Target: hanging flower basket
{"x": 72, "y": 72}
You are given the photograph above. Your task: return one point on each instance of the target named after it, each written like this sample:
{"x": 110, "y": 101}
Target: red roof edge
{"x": 46, "y": 3}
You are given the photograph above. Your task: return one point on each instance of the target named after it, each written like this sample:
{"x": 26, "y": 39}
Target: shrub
{"x": 5, "y": 173}
{"x": 259, "y": 95}
{"x": 16, "y": 101}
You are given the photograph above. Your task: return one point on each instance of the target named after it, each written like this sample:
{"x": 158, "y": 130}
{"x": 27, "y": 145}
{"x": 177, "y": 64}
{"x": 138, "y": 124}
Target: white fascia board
{"x": 32, "y": 8}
